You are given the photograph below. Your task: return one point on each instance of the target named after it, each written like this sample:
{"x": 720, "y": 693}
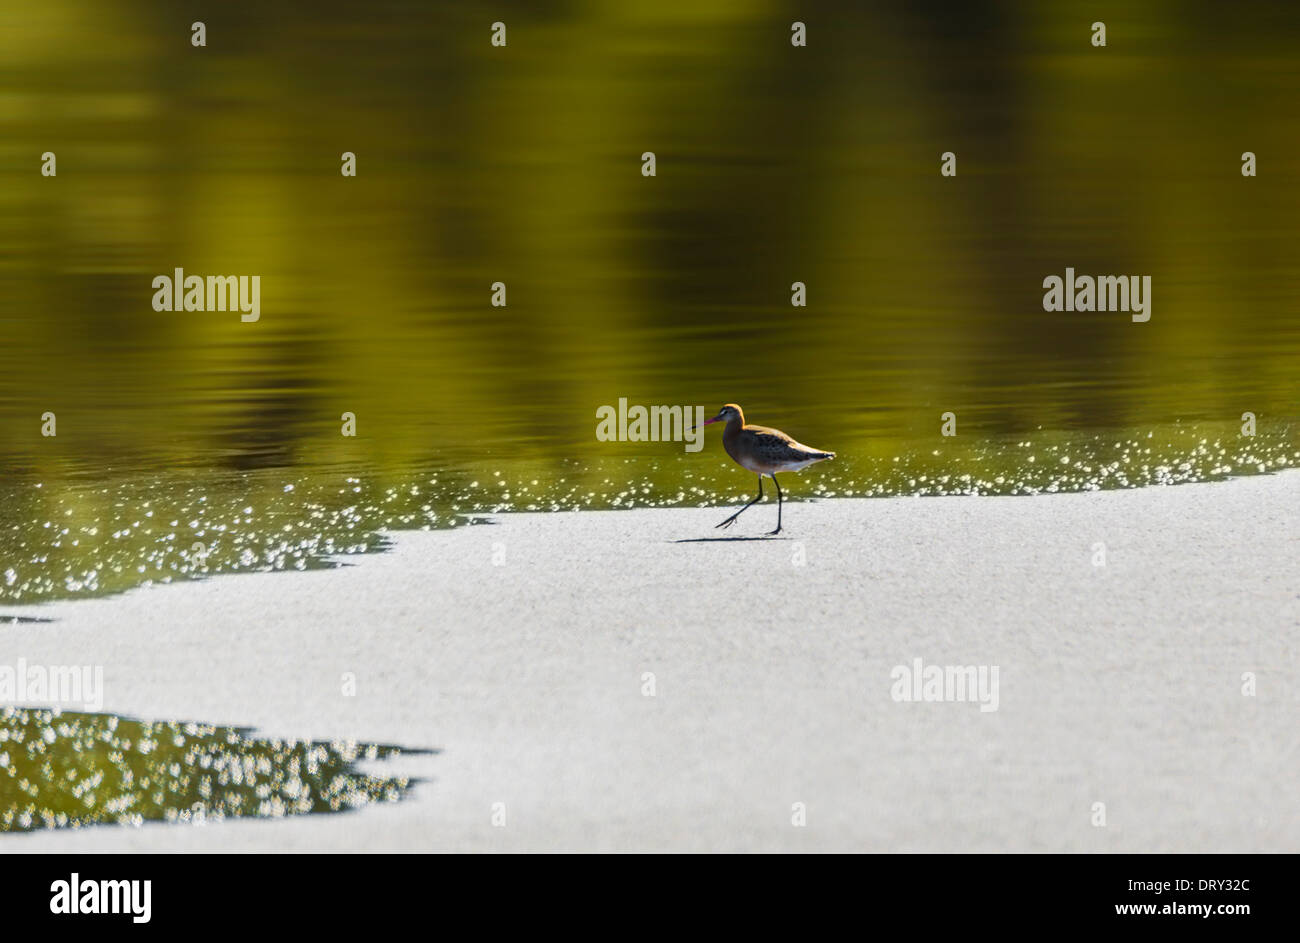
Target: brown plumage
{"x": 762, "y": 451}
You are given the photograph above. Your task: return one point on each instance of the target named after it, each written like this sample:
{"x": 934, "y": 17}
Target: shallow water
{"x": 70, "y": 770}
{"x": 96, "y": 537}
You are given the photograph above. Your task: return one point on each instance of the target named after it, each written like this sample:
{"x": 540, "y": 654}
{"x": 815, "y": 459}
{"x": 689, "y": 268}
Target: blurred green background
{"x": 522, "y": 164}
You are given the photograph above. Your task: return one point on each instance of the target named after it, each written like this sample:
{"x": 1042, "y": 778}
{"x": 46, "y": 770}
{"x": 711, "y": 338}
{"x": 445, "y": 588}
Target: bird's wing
{"x": 775, "y": 445}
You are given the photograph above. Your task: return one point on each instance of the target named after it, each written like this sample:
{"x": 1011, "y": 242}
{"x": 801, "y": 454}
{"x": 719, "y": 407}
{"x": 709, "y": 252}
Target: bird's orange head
{"x": 729, "y": 413}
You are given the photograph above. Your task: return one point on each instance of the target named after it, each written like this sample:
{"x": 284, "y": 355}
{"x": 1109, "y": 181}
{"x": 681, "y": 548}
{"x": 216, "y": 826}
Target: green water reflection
{"x": 68, "y": 770}
{"x": 522, "y": 165}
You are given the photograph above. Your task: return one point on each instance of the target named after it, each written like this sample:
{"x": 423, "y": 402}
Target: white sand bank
{"x": 1118, "y": 684}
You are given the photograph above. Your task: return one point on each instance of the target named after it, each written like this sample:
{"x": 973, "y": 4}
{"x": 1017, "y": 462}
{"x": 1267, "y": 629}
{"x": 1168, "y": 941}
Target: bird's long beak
{"x": 707, "y": 422}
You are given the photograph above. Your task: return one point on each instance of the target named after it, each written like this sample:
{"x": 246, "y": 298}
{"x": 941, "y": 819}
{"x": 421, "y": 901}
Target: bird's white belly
{"x": 759, "y": 467}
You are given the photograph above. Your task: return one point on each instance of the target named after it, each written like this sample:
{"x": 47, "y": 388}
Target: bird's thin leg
{"x": 778, "y": 504}
{"x": 728, "y": 521}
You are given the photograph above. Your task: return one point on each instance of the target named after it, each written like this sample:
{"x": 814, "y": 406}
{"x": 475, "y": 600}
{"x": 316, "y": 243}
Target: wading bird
{"x": 762, "y": 451}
